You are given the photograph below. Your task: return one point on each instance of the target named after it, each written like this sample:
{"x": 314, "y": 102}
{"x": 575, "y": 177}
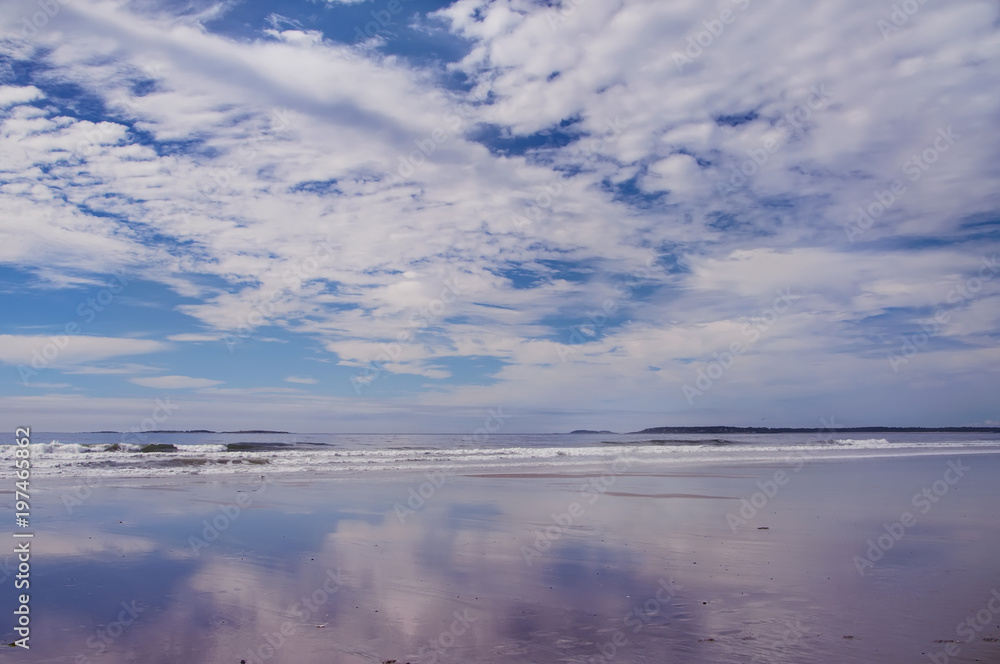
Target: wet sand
{"x": 626, "y": 563}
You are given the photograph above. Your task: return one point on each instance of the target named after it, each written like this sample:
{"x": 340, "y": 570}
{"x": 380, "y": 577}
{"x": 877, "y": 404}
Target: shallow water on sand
{"x": 625, "y": 563}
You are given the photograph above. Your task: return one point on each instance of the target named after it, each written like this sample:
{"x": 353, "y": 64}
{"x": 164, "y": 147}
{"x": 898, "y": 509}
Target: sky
{"x": 423, "y": 216}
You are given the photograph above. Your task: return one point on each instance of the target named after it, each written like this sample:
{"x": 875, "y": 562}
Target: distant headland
{"x": 725, "y": 429}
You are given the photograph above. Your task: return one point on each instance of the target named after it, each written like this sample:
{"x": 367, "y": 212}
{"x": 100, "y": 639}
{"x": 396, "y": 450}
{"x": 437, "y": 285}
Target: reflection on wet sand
{"x": 506, "y": 569}
{"x": 626, "y": 494}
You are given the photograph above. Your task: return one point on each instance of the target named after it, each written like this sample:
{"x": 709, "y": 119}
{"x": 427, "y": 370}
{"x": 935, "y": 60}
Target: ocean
{"x": 190, "y": 453}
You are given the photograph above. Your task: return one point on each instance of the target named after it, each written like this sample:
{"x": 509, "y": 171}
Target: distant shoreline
{"x": 724, "y": 429}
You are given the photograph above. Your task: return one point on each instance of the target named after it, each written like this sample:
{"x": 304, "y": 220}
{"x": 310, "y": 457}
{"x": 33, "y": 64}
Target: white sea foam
{"x": 127, "y": 460}
{"x": 865, "y": 443}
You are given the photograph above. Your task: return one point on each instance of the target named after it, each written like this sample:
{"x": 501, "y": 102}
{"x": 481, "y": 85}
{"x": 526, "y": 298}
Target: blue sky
{"x": 396, "y": 215}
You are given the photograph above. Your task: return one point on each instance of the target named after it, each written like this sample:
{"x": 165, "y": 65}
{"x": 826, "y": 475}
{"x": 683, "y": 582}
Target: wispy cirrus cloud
{"x": 62, "y": 350}
{"x": 301, "y": 380}
{"x": 174, "y": 382}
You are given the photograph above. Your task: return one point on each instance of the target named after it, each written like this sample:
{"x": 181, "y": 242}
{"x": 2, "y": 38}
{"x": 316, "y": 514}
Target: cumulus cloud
{"x": 612, "y": 193}
{"x": 11, "y": 95}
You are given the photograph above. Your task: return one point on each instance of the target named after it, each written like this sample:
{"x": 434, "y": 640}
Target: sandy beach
{"x": 500, "y": 332}
{"x": 625, "y": 562}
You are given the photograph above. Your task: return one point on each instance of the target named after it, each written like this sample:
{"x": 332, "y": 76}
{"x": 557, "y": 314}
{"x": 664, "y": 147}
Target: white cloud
{"x": 129, "y": 369}
{"x": 66, "y": 349}
{"x": 195, "y": 337}
{"x": 301, "y": 380}
{"x": 303, "y": 206}
{"x": 174, "y": 382}
{"x": 10, "y": 95}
